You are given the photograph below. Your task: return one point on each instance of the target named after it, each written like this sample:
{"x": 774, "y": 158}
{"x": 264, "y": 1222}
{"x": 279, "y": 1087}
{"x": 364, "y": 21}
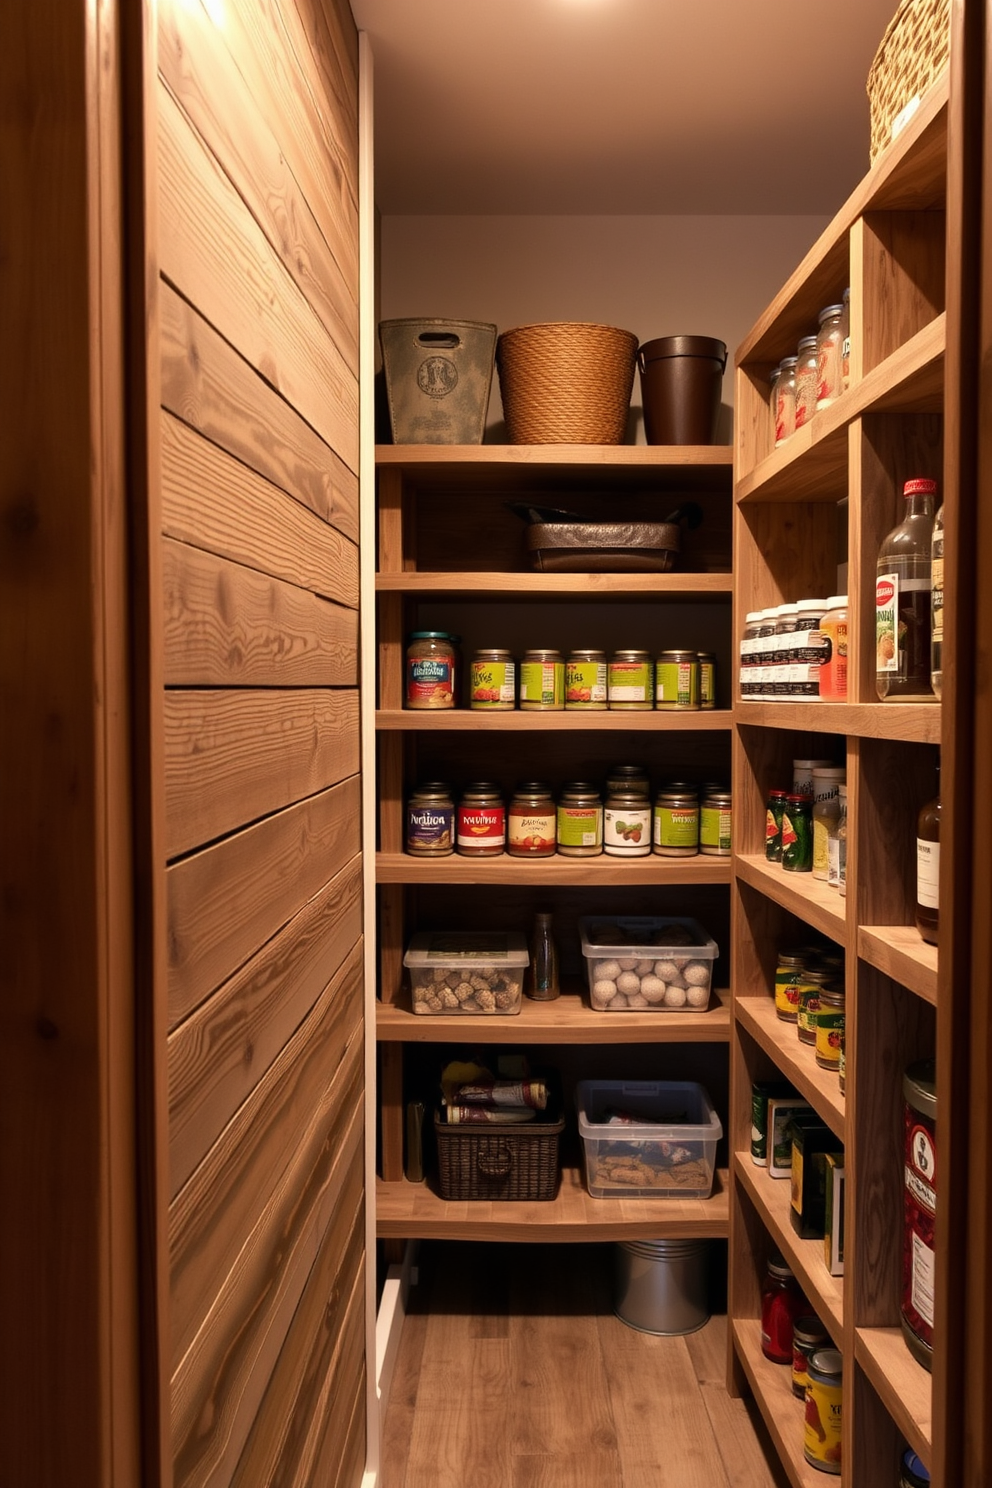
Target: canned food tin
{"x": 788, "y": 981}
{"x": 707, "y": 679}
{"x": 492, "y": 680}
{"x": 676, "y": 680}
{"x": 676, "y": 824}
{"x": 919, "y": 1209}
{"x": 580, "y": 821}
{"x": 430, "y": 822}
{"x": 481, "y": 821}
{"x": 822, "y": 1439}
{"x": 808, "y": 1334}
{"x": 585, "y": 681}
{"x": 715, "y": 821}
{"x": 542, "y": 681}
{"x": 830, "y": 1026}
{"x": 630, "y": 680}
{"x": 627, "y": 825}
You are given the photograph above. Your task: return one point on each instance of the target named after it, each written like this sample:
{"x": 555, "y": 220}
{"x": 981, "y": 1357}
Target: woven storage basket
{"x": 911, "y": 56}
{"x": 566, "y": 382}
{"x": 498, "y": 1162}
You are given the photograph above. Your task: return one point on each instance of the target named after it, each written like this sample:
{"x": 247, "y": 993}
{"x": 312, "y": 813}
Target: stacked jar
{"x": 783, "y": 651}
{"x": 815, "y": 377}
{"x": 809, "y": 992}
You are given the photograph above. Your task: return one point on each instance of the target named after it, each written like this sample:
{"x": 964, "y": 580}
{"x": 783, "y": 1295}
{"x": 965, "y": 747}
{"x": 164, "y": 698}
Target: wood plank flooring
{"x": 513, "y": 1372}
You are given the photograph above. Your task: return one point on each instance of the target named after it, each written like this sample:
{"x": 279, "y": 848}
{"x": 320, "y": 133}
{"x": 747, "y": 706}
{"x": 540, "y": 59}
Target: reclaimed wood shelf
{"x": 680, "y": 586}
{"x": 771, "y": 1385}
{"x": 800, "y": 893}
{"x": 771, "y": 1197}
{"x": 796, "y": 1061}
{"x": 567, "y": 1020}
{"x": 903, "y": 1385}
{"x": 901, "y": 953}
{"x": 462, "y": 720}
{"x": 547, "y": 873}
{"x": 515, "y": 467}
{"x": 910, "y": 723}
{"x": 412, "y": 1211}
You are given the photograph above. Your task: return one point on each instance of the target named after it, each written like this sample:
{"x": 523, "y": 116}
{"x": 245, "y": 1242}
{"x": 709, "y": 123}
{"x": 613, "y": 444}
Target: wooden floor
{"x": 513, "y": 1372}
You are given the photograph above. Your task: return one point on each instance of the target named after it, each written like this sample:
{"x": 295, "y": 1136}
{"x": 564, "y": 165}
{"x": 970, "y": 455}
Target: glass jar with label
{"x": 707, "y": 679}
{"x": 828, "y": 356}
{"x": 797, "y": 834}
{"x": 542, "y": 681}
{"x": 807, "y": 381}
{"x": 715, "y": 821}
{"x": 841, "y": 844}
{"x": 829, "y": 1025}
{"x": 845, "y": 342}
{"x": 786, "y": 625}
{"x": 430, "y": 670}
{"x": 809, "y": 650}
{"x": 676, "y": 680}
{"x": 827, "y": 780}
{"x": 481, "y": 821}
{"x": 748, "y": 678}
{"x": 788, "y": 981}
{"x": 630, "y": 680}
{"x": 492, "y": 681}
{"x": 585, "y": 681}
{"x": 774, "y": 808}
{"x": 627, "y": 825}
{"x": 784, "y": 408}
{"x": 765, "y": 654}
{"x": 621, "y": 778}
{"x": 815, "y": 978}
{"x": 430, "y": 820}
{"x": 676, "y": 824}
{"x": 781, "y": 1303}
{"x": 802, "y": 775}
{"x": 532, "y": 822}
{"x": 919, "y": 1208}
{"x": 580, "y": 820}
{"x": 833, "y": 667}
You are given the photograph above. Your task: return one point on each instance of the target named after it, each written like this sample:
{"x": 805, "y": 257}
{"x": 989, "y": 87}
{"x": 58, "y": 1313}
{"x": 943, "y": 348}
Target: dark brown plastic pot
{"x": 681, "y": 383}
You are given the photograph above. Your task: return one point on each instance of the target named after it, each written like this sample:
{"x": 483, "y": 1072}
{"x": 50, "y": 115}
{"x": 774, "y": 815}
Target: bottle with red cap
{"x": 902, "y": 600}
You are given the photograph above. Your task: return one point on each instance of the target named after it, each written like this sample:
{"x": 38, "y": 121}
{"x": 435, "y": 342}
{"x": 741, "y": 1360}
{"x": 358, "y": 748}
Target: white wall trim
{"x": 392, "y": 1316}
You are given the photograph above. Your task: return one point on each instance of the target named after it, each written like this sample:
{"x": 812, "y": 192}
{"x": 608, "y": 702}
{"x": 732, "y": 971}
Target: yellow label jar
{"x": 630, "y": 681}
{"x": 492, "y": 681}
{"x": 542, "y": 681}
{"x": 676, "y": 680}
{"x": 585, "y": 681}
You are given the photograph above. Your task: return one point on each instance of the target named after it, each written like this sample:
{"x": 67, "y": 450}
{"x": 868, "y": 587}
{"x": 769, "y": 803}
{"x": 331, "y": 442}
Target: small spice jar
{"x": 802, "y": 775}
{"x": 830, "y": 1026}
{"x": 542, "y": 681}
{"x": 781, "y": 1303}
{"x": 481, "y": 821}
{"x": 810, "y": 993}
{"x": 788, "y": 980}
{"x": 715, "y": 820}
{"x": 580, "y": 821}
{"x": 676, "y": 680}
{"x": 786, "y": 625}
{"x": 919, "y": 1090}
{"x": 807, "y": 381}
{"x": 808, "y": 1334}
{"x": 430, "y": 670}
{"x": 822, "y": 1427}
{"x": 707, "y": 679}
{"x": 585, "y": 681}
{"x": 749, "y": 678}
{"x": 809, "y": 650}
{"x": 630, "y": 680}
{"x": 621, "y": 778}
{"x": 492, "y": 680}
{"x": 828, "y": 356}
{"x": 833, "y": 667}
{"x": 774, "y": 808}
{"x": 627, "y": 825}
{"x": 797, "y": 834}
{"x": 676, "y": 824}
{"x": 785, "y": 401}
{"x": 532, "y": 822}
{"x": 430, "y": 820}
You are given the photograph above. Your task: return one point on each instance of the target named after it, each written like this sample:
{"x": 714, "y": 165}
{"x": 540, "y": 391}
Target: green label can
{"x": 676, "y": 683}
{"x": 630, "y": 680}
{"x": 715, "y": 825}
{"x": 580, "y": 830}
{"x": 585, "y": 682}
{"x": 542, "y": 681}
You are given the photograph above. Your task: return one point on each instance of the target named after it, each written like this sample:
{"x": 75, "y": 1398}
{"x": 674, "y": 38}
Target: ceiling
{"x": 620, "y": 106}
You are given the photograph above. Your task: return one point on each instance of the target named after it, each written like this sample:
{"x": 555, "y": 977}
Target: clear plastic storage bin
{"x": 462, "y": 971}
{"x": 654, "y": 963}
{"x": 647, "y": 1139}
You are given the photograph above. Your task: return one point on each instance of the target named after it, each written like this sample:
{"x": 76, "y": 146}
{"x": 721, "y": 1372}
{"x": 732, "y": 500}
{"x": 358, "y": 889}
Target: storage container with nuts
{"x": 643, "y": 961}
{"x": 467, "y": 972}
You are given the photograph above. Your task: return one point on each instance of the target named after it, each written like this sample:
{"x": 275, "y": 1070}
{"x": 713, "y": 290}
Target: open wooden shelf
{"x": 514, "y": 467}
{"x": 911, "y": 723}
{"x": 618, "y": 721}
{"x": 780, "y": 1041}
{"x": 547, "y": 873}
{"x": 784, "y": 1415}
{"x": 904, "y": 1386}
{"x": 567, "y": 1020}
{"x": 800, "y": 893}
{"x": 680, "y": 586}
{"x": 412, "y": 1211}
{"x": 899, "y": 951}
{"x": 771, "y": 1198}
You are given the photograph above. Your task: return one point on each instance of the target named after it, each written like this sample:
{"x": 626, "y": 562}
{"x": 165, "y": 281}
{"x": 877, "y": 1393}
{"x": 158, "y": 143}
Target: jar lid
{"x": 921, "y": 486}
{"x": 837, "y": 602}
{"x": 711, "y": 787}
{"x": 495, "y": 652}
{"x": 586, "y": 651}
{"x": 827, "y": 1363}
{"x": 430, "y": 635}
{"x": 753, "y": 616}
{"x": 482, "y": 788}
{"x": 798, "y": 764}
{"x": 778, "y": 1268}
{"x": 720, "y": 797}
{"x": 788, "y": 363}
{"x": 796, "y": 798}
{"x": 630, "y": 798}
{"x": 534, "y": 787}
{"x": 627, "y": 770}
{"x": 829, "y": 772}
{"x": 787, "y": 609}
{"x": 790, "y": 958}
{"x": 677, "y": 656}
{"x": 433, "y": 785}
{"x": 580, "y": 787}
{"x": 835, "y": 996}
{"x": 777, "y": 794}
{"x": 830, "y": 310}
{"x": 820, "y": 605}
{"x": 678, "y": 795}
{"x": 430, "y": 792}
{"x": 630, "y": 652}
{"x": 914, "y": 1474}
{"x": 809, "y": 1329}
{"x": 919, "y": 1086}
{"x": 539, "y": 653}
{"x": 706, "y": 655}
{"x": 807, "y": 343}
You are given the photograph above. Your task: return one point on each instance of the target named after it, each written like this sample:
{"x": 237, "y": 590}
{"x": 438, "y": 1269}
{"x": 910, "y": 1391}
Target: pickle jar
{"x": 707, "y": 679}
{"x": 676, "y": 824}
{"x": 627, "y": 825}
{"x": 785, "y": 401}
{"x": 430, "y": 820}
{"x": 532, "y": 822}
{"x": 810, "y": 991}
{"x": 481, "y": 821}
{"x": 630, "y": 680}
{"x": 797, "y": 834}
{"x": 715, "y": 819}
{"x": 807, "y": 381}
{"x": 580, "y": 820}
{"x": 492, "y": 681}
{"x": 542, "y": 681}
{"x": 774, "y": 809}
{"x": 676, "y": 680}
{"x": 585, "y": 681}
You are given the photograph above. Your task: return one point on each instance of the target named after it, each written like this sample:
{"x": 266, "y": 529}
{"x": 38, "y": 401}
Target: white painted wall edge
{"x": 392, "y": 1315}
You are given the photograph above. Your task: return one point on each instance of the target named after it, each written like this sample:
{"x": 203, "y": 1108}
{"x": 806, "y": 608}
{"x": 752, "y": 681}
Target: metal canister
{"x": 585, "y": 681}
{"x": 676, "y": 824}
{"x": 707, "y": 679}
{"x": 630, "y": 680}
{"x": 430, "y": 820}
{"x": 808, "y": 1335}
{"x": 830, "y": 1025}
{"x": 676, "y": 680}
{"x": 715, "y": 821}
{"x": 492, "y": 680}
{"x": 822, "y": 1440}
{"x": 580, "y": 820}
{"x": 919, "y": 1207}
{"x": 542, "y": 681}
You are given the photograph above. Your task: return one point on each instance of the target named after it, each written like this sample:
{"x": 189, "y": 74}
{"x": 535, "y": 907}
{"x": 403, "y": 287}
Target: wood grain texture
{"x": 291, "y": 1106}
{"x": 232, "y": 757}
{"x": 218, "y": 1055}
{"x": 615, "y": 721}
{"x": 899, "y": 951}
{"x": 903, "y": 290}
{"x": 903, "y": 1385}
{"x": 212, "y": 501}
{"x": 228, "y": 626}
{"x": 795, "y": 1060}
{"x": 569, "y": 1019}
{"x": 208, "y": 386}
{"x": 214, "y": 253}
{"x": 782, "y": 1412}
{"x": 225, "y": 902}
{"x": 547, "y": 872}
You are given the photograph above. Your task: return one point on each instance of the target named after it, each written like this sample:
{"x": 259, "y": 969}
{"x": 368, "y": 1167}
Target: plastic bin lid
{"x": 672, "y": 1104}
{"x": 645, "y": 925}
{"x": 469, "y": 948}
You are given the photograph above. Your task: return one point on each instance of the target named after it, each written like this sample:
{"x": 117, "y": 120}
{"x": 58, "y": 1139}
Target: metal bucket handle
{"x": 439, "y": 340}
{"x": 722, "y": 361}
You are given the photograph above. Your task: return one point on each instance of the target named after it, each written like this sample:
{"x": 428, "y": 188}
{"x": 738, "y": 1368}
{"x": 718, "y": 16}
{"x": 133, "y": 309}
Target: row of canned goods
{"x": 809, "y": 992}
{"x": 682, "y": 821}
{"x": 585, "y": 681}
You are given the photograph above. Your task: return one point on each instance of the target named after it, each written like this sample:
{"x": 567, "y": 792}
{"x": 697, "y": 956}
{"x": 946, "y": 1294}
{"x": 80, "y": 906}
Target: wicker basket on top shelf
{"x": 566, "y": 382}
{"x": 911, "y": 56}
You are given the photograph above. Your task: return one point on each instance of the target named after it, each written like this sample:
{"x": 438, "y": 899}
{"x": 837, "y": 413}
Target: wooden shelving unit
{"x": 829, "y": 495}
{"x": 467, "y": 575}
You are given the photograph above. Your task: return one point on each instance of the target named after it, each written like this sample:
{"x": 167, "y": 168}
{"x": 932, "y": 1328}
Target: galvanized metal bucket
{"x": 438, "y": 377}
{"x": 660, "y": 1285}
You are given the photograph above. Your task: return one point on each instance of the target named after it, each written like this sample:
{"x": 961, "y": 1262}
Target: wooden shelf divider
{"x": 899, "y": 951}
{"x": 464, "y": 720}
{"x": 911, "y": 723}
{"x": 652, "y": 586}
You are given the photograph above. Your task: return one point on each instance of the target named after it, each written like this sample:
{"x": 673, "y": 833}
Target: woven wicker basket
{"x": 498, "y": 1162}
{"x": 566, "y": 382}
{"x": 911, "y": 56}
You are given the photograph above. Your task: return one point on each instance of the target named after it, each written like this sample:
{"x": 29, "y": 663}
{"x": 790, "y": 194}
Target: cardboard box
{"x": 812, "y": 1139}
{"x": 781, "y": 1110}
{"x": 833, "y": 1225}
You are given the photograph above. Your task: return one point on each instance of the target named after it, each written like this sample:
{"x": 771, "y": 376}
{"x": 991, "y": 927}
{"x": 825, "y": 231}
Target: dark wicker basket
{"x": 498, "y": 1162}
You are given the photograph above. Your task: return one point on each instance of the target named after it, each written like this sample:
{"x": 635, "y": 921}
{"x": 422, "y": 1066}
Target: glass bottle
{"x": 902, "y": 600}
{"x": 937, "y": 602}
{"x": 807, "y": 381}
{"x": 797, "y": 834}
{"x": 845, "y": 342}
{"x": 542, "y": 975}
{"x": 928, "y": 871}
{"x": 828, "y": 355}
{"x": 781, "y": 1303}
{"x": 785, "y": 401}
